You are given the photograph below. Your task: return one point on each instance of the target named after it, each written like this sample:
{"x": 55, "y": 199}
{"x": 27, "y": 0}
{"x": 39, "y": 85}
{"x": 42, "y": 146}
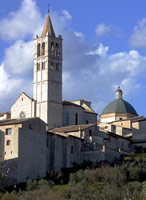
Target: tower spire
{"x": 48, "y": 28}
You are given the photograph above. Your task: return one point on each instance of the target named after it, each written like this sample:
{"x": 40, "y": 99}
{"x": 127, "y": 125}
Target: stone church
{"x": 44, "y": 133}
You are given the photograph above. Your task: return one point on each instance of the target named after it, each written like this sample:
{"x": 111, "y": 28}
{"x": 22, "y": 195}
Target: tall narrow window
{"x": 43, "y": 65}
{"x": 56, "y": 50}
{"x": 38, "y": 66}
{"x": 43, "y": 49}
{"x": 67, "y": 119}
{"x": 38, "y": 50}
{"x": 76, "y": 119}
{"x": 52, "y": 48}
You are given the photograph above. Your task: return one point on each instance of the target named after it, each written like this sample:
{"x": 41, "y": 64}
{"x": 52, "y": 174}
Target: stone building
{"x": 23, "y": 146}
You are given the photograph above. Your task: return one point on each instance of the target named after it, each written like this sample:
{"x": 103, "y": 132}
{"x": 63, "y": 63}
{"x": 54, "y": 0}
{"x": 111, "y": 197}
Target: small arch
{"x": 43, "y": 49}
{"x": 38, "y": 50}
{"x": 52, "y": 48}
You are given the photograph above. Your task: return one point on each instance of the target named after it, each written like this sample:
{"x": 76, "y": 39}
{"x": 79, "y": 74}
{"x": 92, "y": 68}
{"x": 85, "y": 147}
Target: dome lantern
{"x": 119, "y": 93}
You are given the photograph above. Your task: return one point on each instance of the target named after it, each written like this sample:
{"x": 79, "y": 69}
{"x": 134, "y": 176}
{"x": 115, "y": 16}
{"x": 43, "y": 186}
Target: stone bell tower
{"x": 47, "y": 89}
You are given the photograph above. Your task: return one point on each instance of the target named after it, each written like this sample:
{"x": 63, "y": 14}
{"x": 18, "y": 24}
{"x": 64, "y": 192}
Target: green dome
{"x": 119, "y": 106}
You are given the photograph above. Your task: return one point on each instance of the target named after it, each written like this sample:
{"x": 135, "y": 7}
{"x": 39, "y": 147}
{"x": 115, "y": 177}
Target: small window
{"x": 11, "y": 152}
{"x": 52, "y": 49}
{"x": 8, "y": 142}
{"x": 122, "y": 124}
{"x": 120, "y": 118}
{"x": 90, "y": 132}
{"x": 87, "y": 122}
{"x": 72, "y": 149}
{"x": 38, "y": 66}
{"x": 8, "y": 131}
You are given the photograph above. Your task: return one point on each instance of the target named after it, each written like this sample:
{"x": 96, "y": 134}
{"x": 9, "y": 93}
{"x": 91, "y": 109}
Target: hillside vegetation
{"x": 126, "y": 181}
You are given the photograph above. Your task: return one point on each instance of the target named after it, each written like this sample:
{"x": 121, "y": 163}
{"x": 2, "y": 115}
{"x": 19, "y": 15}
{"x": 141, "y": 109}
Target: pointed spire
{"x": 48, "y": 27}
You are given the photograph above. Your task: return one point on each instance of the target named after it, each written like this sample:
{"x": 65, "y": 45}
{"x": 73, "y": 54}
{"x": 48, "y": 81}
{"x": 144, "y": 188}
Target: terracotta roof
{"x": 71, "y": 128}
{"x": 48, "y": 28}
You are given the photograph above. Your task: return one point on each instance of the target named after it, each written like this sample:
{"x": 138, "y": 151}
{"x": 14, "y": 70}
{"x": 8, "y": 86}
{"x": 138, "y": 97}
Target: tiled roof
{"x": 71, "y": 128}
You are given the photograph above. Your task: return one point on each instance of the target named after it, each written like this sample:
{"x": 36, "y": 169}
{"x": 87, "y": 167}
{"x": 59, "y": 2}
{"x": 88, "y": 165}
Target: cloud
{"x": 102, "y": 29}
{"x": 138, "y": 38}
{"x": 67, "y": 14}
{"x": 22, "y": 23}
{"x": 18, "y": 60}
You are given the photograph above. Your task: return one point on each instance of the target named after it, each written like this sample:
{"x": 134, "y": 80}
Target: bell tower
{"x": 47, "y": 89}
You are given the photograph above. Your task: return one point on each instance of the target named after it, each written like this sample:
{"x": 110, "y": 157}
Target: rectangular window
{"x": 8, "y": 142}
{"x": 8, "y": 131}
{"x": 67, "y": 119}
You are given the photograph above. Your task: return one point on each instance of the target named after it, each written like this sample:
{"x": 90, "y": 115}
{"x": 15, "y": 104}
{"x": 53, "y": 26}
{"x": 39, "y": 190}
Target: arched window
{"x": 52, "y": 48}
{"x": 76, "y": 119}
{"x": 22, "y": 115}
{"x": 38, "y": 50}
{"x": 56, "y": 50}
{"x": 43, "y": 49}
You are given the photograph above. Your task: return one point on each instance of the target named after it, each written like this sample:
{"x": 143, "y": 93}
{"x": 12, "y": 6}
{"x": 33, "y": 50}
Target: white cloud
{"x": 18, "y": 58}
{"x": 26, "y": 21}
{"x": 102, "y": 29}
{"x": 138, "y": 38}
{"x": 67, "y": 14}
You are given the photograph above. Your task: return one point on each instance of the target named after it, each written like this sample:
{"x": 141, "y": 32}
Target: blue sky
{"x": 104, "y": 46}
